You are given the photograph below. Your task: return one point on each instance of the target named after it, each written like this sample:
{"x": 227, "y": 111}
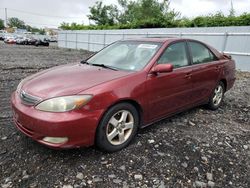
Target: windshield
{"x": 126, "y": 55}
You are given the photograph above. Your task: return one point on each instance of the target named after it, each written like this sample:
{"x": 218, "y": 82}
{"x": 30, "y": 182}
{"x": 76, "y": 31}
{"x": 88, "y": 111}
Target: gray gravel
{"x": 197, "y": 148}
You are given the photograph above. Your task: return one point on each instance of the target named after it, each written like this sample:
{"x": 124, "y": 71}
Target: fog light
{"x": 55, "y": 140}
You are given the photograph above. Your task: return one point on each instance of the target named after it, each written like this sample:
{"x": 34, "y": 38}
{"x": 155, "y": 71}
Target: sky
{"x": 50, "y": 13}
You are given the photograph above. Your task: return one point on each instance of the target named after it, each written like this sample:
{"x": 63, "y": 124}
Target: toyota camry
{"x": 130, "y": 84}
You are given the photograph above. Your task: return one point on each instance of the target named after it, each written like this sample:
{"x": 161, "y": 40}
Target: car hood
{"x": 68, "y": 80}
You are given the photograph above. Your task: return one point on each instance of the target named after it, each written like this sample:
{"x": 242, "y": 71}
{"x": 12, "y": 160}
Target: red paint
{"x": 158, "y": 95}
{"x": 162, "y": 68}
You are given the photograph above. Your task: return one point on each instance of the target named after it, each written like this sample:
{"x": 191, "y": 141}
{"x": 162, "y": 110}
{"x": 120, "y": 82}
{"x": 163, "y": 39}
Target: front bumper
{"x": 78, "y": 126}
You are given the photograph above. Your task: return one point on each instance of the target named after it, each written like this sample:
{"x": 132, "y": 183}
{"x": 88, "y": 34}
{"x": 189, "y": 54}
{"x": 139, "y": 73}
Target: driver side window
{"x": 175, "y": 54}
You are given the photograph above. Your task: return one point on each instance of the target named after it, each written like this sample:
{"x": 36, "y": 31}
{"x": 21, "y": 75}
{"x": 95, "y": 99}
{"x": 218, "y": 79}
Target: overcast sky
{"x": 50, "y": 13}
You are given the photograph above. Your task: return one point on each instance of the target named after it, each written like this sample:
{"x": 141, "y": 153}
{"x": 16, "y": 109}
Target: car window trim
{"x": 191, "y": 55}
{"x": 186, "y": 49}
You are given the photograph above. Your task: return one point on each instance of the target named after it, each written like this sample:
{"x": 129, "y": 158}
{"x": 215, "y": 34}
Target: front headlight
{"x": 63, "y": 104}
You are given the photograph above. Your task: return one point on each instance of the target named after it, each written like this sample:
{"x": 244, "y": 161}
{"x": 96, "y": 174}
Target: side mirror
{"x": 161, "y": 68}
{"x": 227, "y": 56}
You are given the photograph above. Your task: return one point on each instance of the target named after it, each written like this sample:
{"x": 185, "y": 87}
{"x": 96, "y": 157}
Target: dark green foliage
{"x": 103, "y": 14}
{"x": 151, "y": 14}
{"x": 42, "y": 32}
{"x": 1, "y": 24}
{"x": 15, "y": 22}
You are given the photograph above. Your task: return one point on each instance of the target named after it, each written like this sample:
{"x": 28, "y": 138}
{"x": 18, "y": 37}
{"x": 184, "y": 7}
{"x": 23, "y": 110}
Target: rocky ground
{"x": 197, "y": 148}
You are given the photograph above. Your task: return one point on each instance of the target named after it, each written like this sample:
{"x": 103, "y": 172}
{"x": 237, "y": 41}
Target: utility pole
{"x": 6, "y": 17}
{"x": 232, "y": 11}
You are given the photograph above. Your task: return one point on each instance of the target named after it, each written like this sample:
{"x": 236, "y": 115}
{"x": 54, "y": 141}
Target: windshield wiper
{"x": 84, "y": 62}
{"x": 99, "y": 65}
{"x": 104, "y": 66}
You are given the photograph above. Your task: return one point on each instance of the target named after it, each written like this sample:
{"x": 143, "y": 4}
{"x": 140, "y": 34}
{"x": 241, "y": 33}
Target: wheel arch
{"x": 224, "y": 81}
{"x": 133, "y": 102}
{"x": 126, "y": 100}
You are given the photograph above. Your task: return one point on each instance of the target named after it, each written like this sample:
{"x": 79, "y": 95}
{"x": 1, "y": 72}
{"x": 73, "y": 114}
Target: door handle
{"x": 217, "y": 67}
{"x": 188, "y": 76}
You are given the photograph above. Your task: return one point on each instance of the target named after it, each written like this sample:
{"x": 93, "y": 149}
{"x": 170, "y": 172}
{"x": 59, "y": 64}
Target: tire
{"x": 121, "y": 119}
{"x": 215, "y": 102}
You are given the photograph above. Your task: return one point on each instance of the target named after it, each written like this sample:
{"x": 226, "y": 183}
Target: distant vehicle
{"x": 128, "y": 85}
{"x": 32, "y": 41}
{"x": 22, "y": 41}
{"x": 46, "y": 39}
{"x": 10, "y": 40}
{"x": 2, "y": 33}
{"x": 53, "y": 39}
{"x": 1, "y": 36}
{"x": 7, "y": 35}
{"x": 29, "y": 33}
{"x": 42, "y": 43}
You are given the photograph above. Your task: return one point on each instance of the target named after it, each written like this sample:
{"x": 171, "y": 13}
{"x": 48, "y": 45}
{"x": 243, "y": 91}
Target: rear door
{"x": 205, "y": 70}
{"x": 169, "y": 92}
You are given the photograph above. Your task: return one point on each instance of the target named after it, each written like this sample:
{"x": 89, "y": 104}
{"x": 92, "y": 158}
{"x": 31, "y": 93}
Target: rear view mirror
{"x": 161, "y": 68}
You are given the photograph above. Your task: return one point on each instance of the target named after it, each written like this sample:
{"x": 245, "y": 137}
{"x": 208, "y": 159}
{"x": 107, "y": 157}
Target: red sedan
{"x": 10, "y": 40}
{"x": 127, "y": 85}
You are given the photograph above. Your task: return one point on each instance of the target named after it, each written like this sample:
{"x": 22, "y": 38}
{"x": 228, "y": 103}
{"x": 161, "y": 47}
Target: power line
{"x": 37, "y": 14}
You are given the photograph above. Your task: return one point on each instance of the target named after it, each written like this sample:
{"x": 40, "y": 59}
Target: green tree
{"x": 151, "y": 14}
{"x": 65, "y": 26}
{"x": 1, "y": 24}
{"x": 41, "y": 31}
{"x": 184, "y": 22}
{"x": 103, "y": 14}
{"x": 28, "y": 28}
{"x": 15, "y": 22}
{"x": 146, "y": 11}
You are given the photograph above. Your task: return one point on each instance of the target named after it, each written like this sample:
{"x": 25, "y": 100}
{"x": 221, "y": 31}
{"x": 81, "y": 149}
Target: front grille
{"x": 29, "y": 99}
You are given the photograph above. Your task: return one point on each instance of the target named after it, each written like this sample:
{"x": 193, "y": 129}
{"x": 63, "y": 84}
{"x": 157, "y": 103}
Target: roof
{"x": 171, "y": 39}
{"x": 155, "y": 39}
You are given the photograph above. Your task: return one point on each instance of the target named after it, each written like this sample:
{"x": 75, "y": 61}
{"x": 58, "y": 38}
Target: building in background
{"x": 51, "y": 31}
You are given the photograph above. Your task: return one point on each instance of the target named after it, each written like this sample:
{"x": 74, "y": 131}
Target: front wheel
{"x": 216, "y": 98}
{"x": 117, "y": 127}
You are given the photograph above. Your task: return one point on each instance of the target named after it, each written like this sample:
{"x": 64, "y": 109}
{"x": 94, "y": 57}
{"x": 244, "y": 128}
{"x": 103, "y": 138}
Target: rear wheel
{"x": 117, "y": 128}
{"x": 216, "y": 98}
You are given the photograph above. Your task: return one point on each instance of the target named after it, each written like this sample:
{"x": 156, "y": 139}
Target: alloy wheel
{"x": 120, "y": 127}
{"x": 218, "y": 94}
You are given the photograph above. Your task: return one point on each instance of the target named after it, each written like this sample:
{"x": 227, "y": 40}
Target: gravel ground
{"x": 197, "y": 148}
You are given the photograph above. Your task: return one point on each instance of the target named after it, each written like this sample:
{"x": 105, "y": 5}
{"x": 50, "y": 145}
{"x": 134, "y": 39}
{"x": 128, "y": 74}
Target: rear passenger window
{"x": 200, "y": 53}
{"x": 175, "y": 54}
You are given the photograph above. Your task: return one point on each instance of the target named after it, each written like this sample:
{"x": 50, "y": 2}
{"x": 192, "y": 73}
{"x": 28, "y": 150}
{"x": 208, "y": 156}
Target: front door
{"x": 169, "y": 92}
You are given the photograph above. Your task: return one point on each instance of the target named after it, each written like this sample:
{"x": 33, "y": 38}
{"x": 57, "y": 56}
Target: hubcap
{"x": 120, "y": 127}
{"x": 218, "y": 94}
